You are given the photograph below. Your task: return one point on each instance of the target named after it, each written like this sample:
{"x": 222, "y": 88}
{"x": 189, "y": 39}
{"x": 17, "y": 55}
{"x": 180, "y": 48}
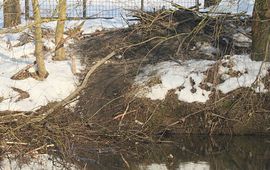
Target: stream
{"x": 177, "y": 153}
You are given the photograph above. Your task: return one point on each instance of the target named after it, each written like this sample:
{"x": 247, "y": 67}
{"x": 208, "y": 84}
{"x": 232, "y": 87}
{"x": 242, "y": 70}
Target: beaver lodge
{"x": 156, "y": 75}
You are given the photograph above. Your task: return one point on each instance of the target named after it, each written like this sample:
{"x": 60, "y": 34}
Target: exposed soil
{"x": 109, "y": 98}
{"x": 108, "y": 114}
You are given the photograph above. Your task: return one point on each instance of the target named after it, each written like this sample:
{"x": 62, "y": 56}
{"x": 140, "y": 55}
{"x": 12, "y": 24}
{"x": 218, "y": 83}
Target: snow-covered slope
{"x": 189, "y": 79}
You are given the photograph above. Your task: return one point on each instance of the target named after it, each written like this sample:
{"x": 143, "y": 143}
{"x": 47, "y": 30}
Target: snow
{"x": 173, "y": 77}
{"x": 234, "y": 7}
{"x": 249, "y": 71}
{"x": 186, "y": 79}
{"x": 61, "y": 82}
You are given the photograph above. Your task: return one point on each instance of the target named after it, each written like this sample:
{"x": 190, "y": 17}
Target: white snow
{"x": 185, "y": 79}
{"x": 61, "y": 82}
{"x": 234, "y": 7}
{"x": 248, "y": 71}
{"x": 175, "y": 76}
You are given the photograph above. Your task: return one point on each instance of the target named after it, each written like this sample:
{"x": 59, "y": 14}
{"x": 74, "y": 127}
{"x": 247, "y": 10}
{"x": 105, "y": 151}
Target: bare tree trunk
{"x": 59, "y": 33}
{"x": 261, "y": 30}
{"x": 42, "y": 73}
{"x": 12, "y": 13}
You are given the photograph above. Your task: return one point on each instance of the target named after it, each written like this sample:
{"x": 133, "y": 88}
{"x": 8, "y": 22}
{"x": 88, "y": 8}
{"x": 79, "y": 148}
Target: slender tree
{"x": 59, "y": 33}
{"x": 12, "y": 13}
{"x": 42, "y": 73}
{"x": 261, "y": 30}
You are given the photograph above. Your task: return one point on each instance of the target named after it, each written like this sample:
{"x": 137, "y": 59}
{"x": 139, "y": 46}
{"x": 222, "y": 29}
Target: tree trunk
{"x": 42, "y": 73}
{"x": 261, "y": 31}
{"x": 12, "y": 13}
{"x": 59, "y": 33}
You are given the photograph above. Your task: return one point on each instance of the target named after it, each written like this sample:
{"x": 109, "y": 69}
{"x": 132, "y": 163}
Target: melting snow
{"x": 234, "y": 7}
{"x": 186, "y": 79}
{"x": 60, "y": 82}
{"x": 178, "y": 77}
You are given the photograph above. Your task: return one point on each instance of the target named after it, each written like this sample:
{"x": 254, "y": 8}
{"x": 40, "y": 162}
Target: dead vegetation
{"x": 106, "y": 113}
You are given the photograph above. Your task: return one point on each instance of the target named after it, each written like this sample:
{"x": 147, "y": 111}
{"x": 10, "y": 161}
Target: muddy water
{"x": 179, "y": 153}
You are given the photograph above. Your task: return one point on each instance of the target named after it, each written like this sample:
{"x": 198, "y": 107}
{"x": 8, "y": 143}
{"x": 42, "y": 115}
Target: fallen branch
{"x": 23, "y": 73}
{"x": 77, "y": 91}
{"x": 70, "y": 97}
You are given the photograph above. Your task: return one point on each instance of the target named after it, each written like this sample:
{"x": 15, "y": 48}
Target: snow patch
{"x": 236, "y": 71}
{"x": 185, "y": 79}
{"x": 234, "y": 7}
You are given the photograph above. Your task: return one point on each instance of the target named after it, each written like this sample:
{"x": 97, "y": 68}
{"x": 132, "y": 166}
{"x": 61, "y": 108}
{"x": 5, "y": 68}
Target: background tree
{"x": 261, "y": 30}
{"x": 12, "y": 13}
{"x": 59, "y": 33}
{"x": 42, "y": 73}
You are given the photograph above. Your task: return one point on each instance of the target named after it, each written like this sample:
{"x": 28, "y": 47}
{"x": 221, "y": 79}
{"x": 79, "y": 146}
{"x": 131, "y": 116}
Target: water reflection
{"x": 182, "y": 166}
{"x": 37, "y": 162}
{"x": 183, "y": 153}
{"x": 187, "y": 153}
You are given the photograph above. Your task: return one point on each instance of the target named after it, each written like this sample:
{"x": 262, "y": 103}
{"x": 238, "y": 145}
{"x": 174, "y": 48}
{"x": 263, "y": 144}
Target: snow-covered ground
{"x": 188, "y": 79}
{"x": 61, "y": 82}
{"x": 234, "y": 7}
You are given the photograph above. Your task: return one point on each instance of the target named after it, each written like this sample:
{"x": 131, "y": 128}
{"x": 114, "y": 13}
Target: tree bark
{"x": 42, "y": 73}
{"x": 12, "y": 13}
{"x": 261, "y": 31}
{"x": 59, "y": 33}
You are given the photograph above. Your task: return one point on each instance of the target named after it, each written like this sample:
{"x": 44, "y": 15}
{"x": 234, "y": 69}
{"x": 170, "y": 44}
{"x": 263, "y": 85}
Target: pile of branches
{"x": 174, "y": 33}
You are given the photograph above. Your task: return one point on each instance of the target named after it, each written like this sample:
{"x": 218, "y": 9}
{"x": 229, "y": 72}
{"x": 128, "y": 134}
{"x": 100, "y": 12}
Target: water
{"x": 181, "y": 153}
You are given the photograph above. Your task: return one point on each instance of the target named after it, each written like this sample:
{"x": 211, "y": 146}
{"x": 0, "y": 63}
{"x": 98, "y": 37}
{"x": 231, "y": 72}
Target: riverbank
{"x": 118, "y": 107}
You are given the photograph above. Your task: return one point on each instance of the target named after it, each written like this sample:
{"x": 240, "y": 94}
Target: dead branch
{"x": 76, "y": 92}
{"x": 23, "y": 73}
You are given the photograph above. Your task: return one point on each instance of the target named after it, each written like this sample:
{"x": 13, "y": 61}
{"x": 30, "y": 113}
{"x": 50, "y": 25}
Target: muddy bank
{"x": 106, "y": 114}
{"x": 109, "y": 98}
{"x": 109, "y": 101}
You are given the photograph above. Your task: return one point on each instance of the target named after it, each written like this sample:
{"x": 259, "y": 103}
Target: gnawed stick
{"x": 23, "y": 73}
{"x": 68, "y": 98}
{"x": 77, "y": 91}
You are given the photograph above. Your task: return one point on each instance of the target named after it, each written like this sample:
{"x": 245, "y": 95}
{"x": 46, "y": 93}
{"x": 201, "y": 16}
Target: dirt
{"x": 109, "y": 98}
{"x": 108, "y": 115}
